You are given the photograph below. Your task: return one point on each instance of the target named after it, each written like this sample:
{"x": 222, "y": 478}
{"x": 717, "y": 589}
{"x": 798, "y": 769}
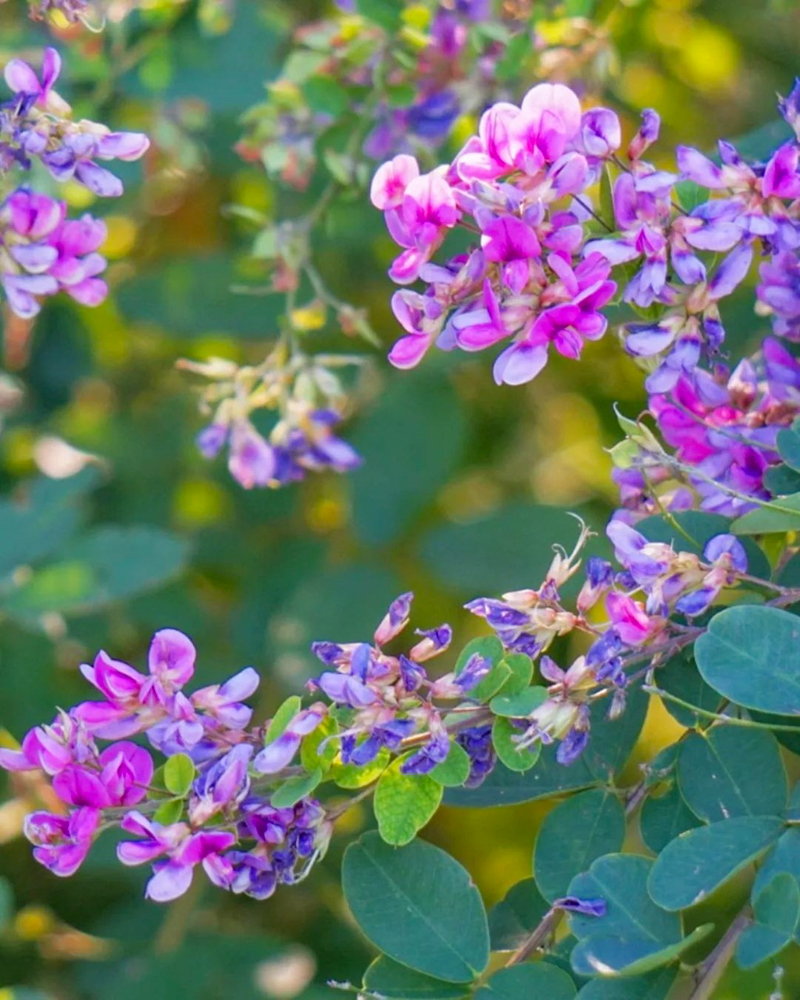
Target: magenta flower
{"x": 224, "y": 701}
{"x": 630, "y": 620}
{"x": 119, "y": 777}
{"x": 279, "y": 753}
{"x": 183, "y": 849}
{"x": 62, "y": 842}
{"x": 419, "y": 223}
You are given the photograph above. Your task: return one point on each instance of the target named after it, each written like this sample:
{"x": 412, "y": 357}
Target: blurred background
{"x": 125, "y": 528}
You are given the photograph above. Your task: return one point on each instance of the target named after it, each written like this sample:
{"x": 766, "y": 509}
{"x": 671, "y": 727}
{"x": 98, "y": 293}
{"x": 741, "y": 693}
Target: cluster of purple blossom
{"x": 723, "y": 427}
{"x": 653, "y": 584}
{"x": 242, "y": 842}
{"x": 41, "y": 251}
{"x": 379, "y": 704}
{"x": 447, "y": 70}
{"x": 303, "y": 439}
{"x": 541, "y": 273}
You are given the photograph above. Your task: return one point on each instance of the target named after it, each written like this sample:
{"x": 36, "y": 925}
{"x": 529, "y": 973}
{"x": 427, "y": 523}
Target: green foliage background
{"x": 464, "y": 488}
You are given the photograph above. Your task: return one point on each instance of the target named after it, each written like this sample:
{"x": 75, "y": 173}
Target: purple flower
{"x": 62, "y": 842}
{"x": 279, "y": 753}
{"x": 119, "y": 777}
{"x": 726, "y": 548}
{"x": 177, "y": 849}
{"x": 220, "y": 785}
{"x": 572, "y": 746}
{"x": 477, "y": 742}
{"x": 587, "y": 907}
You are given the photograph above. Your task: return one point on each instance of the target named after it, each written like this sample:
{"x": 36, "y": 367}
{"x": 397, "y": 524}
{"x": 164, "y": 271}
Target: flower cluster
{"x": 654, "y": 584}
{"x": 518, "y": 183}
{"x": 723, "y": 427}
{"x": 41, "y": 251}
{"x": 243, "y": 843}
{"x": 541, "y": 272}
{"x": 413, "y": 80}
{"x": 306, "y": 397}
{"x": 393, "y": 698}
{"x": 229, "y": 798}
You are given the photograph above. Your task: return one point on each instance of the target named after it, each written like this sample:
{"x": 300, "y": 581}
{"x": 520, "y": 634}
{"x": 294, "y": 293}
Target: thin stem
{"x": 544, "y": 929}
{"x": 708, "y": 975}
{"x": 718, "y": 717}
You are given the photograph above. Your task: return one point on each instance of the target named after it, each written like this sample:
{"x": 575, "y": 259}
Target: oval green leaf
{"x": 576, "y": 833}
{"x": 521, "y": 982}
{"x": 751, "y": 655}
{"x": 698, "y": 862}
{"x": 179, "y": 774}
{"x": 776, "y": 912}
{"x": 387, "y": 978}
{"x": 732, "y": 771}
{"x": 417, "y": 905}
{"x": 404, "y": 803}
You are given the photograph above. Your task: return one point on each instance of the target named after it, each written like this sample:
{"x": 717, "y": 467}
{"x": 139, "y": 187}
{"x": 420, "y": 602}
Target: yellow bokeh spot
{"x": 251, "y": 190}
{"x": 642, "y": 86}
{"x": 310, "y": 317}
{"x": 121, "y": 237}
{"x": 351, "y": 27}
{"x": 464, "y": 127}
{"x": 417, "y": 16}
{"x": 19, "y": 446}
{"x": 33, "y": 922}
{"x": 76, "y": 195}
{"x": 709, "y": 57}
{"x": 199, "y": 502}
{"x": 326, "y": 514}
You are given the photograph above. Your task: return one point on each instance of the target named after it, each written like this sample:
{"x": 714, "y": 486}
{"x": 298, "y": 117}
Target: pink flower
{"x": 183, "y": 849}
{"x": 62, "y": 842}
{"x": 630, "y": 619}
{"x": 119, "y": 778}
{"x": 391, "y": 181}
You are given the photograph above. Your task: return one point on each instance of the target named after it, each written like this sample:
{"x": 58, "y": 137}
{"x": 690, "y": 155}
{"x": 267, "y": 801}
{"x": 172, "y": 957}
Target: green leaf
{"x": 784, "y": 857}
{"x": 383, "y": 12}
{"x": 507, "y": 748}
{"x": 41, "y": 519}
{"x": 698, "y": 862}
{"x": 396, "y": 483}
{"x": 404, "y": 803}
{"x": 169, "y": 812}
{"x": 517, "y": 706}
{"x": 788, "y": 442}
{"x": 653, "y": 986}
{"x": 634, "y": 935}
{"x": 351, "y": 776}
{"x": 681, "y": 678}
{"x": 387, "y": 978}
{"x": 326, "y": 95}
{"x": 516, "y": 915}
{"x": 179, "y": 774}
{"x": 504, "y": 550}
{"x": 751, "y": 655}
{"x": 629, "y": 955}
{"x": 490, "y": 648}
{"x": 732, "y": 771}
{"x": 607, "y": 201}
{"x": 613, "y": 740}
{"x": 454, "y": 769}
{"x": 521, "y": 667}
{"x": 622, "y": 881}
{"x": 700, "y": 527}
{"x": 284, "y": 714}
{"x": 417, "y": 905}
{"x": 522, "y": 981}
{"x": 778, "y": 516}
{"x": 105, "y": 565}
{"x": 310, "y": 756}
{"x": 664, "y": 818}
{"x": 776, "y": 912}
{"x": 6, "y": 903}
{"x": 294, "y": 789}
{"x": 576, "y": 833}
{"x": 780, "y": 480}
